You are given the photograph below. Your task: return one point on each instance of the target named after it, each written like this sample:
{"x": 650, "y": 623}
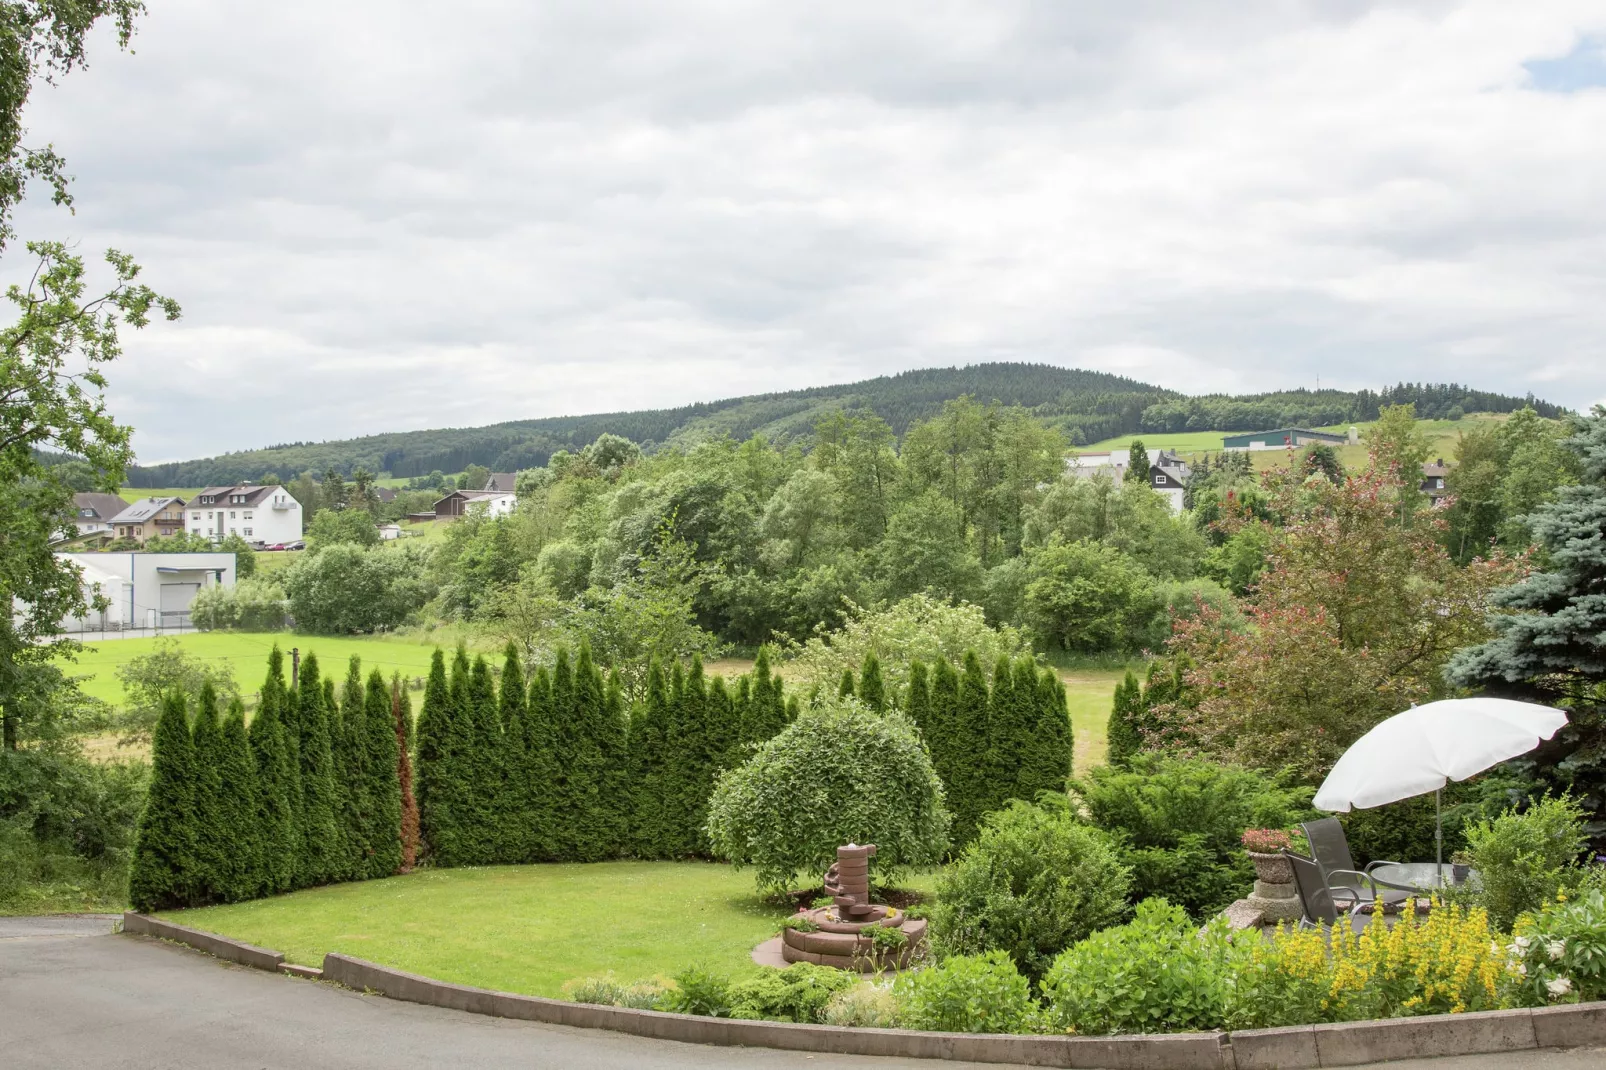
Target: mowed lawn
{"x": 525, "y": 929}
{"x": 246, "y": 653}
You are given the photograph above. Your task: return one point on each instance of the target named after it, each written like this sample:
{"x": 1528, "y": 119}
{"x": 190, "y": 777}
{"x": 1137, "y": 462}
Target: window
{"x": 234, "y": 516}
{"x": 234, "y": 531}
{"x": 195, "y": 516}
{"x": 248, "y": 533}
{"x": 247, "y": 515}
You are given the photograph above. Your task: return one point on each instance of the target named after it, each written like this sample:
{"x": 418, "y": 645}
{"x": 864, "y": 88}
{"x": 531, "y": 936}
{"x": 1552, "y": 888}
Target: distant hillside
{"x": 1086, "y": 405}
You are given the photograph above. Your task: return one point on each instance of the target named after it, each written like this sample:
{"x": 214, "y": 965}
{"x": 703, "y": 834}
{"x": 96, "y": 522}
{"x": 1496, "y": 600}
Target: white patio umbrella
{"x": 1415, "y": 752}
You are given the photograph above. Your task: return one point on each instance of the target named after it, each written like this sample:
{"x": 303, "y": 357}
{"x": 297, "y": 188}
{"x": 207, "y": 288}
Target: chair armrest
{"x": 1380, "y": 862}
{"x": 1365, "y": 880}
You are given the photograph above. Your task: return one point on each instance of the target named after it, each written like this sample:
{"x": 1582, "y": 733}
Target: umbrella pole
{"x": 1438, "y": 834}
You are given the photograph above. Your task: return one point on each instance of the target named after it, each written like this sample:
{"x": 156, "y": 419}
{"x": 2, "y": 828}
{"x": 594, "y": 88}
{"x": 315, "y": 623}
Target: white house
{"x": 146, "y": 590}
{"x": 93, "y": 513}
{"x": 1168, "y": 473}
{"x": 463, "y": 502}
{"x": 265, "y": 514}
{"x": 388, "y": 532}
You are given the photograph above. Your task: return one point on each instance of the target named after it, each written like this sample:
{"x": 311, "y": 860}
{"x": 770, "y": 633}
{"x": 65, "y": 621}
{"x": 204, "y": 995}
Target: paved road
{"x": 75, "y": 997}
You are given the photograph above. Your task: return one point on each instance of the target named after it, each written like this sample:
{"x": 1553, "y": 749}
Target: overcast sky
{"x": 398, "y": 215}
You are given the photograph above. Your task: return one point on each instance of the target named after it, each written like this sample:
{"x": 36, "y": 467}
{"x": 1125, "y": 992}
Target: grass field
{"x": 134, "y": 494}
{"x": 246, "y": 653}
{"x": 525, "y": 929}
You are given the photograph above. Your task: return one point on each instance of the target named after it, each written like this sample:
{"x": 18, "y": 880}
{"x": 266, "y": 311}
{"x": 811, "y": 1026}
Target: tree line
{"x": 515, "y": 767}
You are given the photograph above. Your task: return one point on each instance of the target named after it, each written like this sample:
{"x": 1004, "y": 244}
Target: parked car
{"x": 297, "y": 545}
{"x": 274, "y": 546}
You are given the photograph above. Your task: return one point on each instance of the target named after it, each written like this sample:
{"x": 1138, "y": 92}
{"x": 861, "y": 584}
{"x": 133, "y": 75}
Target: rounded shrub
{"x": 1032, "y": 884}
{"x": 839, "y": 774}
{"x": 967, "y": 994}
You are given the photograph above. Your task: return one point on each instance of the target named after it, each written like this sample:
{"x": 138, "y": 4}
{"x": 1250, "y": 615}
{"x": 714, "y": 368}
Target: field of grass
{"x": 134, "y": 494}
{"x": 525, "y": 929}
{"x": 246, "y": 653}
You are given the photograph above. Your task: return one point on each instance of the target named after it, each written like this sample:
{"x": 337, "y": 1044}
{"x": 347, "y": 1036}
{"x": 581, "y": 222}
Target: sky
{"x": 406, "y": 215}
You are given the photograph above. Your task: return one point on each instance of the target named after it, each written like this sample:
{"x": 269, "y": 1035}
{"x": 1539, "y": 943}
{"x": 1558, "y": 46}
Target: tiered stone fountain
{"x": 841, "y": 940}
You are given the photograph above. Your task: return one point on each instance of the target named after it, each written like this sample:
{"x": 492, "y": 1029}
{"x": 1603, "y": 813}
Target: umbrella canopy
{"x": 1415, "y": 752}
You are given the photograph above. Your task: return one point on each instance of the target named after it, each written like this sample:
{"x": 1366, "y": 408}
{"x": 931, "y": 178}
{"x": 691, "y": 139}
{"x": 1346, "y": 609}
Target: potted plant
{"x": 1265, "y": 847}
{"x": 1460, "y": 867}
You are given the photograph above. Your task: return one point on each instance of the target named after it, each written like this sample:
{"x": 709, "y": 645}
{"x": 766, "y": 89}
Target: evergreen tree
{"x": 871, "y": 688}
{"x": 766, "y": 712}
{"x": 539, "y": 780}
{"x": 917, "y": 702}
{"x": 615, "y": 742}
{"x": 402, "y": 717}
{"x": 382, "y": 797}
{"x": 1548, "y": 627}
{"x": 969, "y": 760}
{"x": 581, "y": 752}
{"x": 212, "y": 837}
{"x": 569, "y": 783}
{"x": 940, "y": 737}
{"x": 482, "y": 770}
{"x": 716, "y": 751}
{"x": 1009, "y": 727}
{"x": 687, "y": 760}
{"x": 164, "y": 867}
{"x": 448, "y": 808}
{"x": 319, "y": 860}
{"x": 1137, "y": 468}
{"x": 349, "y": 765}
{"x": 434, "y": 729}
{"x": 651, "y": 770}
{"x": 514, "y": 829}
{"x": 1046, "y": 766}
{"x": 244, "y": 874}
{"x": 1124, "y": 734}
{"x": 846, "y": 688}
{"x": 278, "y": 781}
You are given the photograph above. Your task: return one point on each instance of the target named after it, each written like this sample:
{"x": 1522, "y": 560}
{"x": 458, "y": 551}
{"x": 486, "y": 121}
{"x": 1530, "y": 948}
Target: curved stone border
{"x": 1291, "y": 1048}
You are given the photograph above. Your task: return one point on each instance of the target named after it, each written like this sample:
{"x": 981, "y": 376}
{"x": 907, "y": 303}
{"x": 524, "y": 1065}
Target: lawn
{"x": 525, "y": 929}
{"x": 1089, "y": 693}
{"x": 247, "y": 654}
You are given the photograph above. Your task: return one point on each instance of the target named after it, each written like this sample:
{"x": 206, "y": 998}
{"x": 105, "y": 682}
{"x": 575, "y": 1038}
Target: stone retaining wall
{"x": 1292, "y": 1048}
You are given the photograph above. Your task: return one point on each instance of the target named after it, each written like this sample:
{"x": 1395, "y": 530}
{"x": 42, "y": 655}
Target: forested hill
{"x": 1086, "y": 405}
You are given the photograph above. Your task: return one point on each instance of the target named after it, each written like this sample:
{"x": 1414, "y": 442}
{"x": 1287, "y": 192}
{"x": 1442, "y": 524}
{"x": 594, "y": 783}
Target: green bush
{"x": 1562, "y": 950}
{"x": 838, "y": 774}
{"x": 798, "y": 993}
{"x": 1179, "y": 822}
{"x": 698, "y": 990}
{"x": 605, "y": 991}
{"x": 1159, "y": 973}
{"x": 968, "y": 994}
{"x": 1526, "y": 858}
{"x": 867, "y": 1005}
{"x": 1034, "y": 882}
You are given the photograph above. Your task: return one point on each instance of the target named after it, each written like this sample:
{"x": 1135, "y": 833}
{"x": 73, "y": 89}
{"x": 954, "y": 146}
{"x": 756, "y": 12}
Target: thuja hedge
{"x": 509, "y": 768}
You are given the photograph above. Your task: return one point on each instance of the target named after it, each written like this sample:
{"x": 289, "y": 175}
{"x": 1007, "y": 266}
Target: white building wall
{"x": 275, "y": 519}
{"x": 148, "y": 590}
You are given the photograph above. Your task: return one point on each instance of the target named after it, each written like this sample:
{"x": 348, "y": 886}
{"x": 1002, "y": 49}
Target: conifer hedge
{"x": 505, "y": 767}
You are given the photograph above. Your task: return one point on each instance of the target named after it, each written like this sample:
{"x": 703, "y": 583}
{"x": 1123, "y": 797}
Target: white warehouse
{"x": 265, "y": 514}
{"x": 146, "y": 590}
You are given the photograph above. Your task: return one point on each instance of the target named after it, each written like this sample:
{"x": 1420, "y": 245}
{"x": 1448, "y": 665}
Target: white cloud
{"x": 378, "y": 220}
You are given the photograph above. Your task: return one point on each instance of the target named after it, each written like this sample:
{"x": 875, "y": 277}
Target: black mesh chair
{"x": 1330, "y": 849}
{"x": 1319, "y": 902}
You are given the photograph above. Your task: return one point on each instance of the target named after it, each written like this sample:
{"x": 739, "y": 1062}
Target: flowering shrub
{"x": 1446, "y": 964}
{"x": 870, "y": 1005}
{"x": 968, "y": 994}
{"x": 1266, "y": 841}
{"x": 1559, "y": 954}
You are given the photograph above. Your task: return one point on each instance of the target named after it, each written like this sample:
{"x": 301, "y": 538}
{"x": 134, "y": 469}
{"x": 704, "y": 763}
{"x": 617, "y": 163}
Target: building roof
{"x": 254, "y": 493}
{"x": 144, "y": 509}
{"x": 1436, "y": 468}
{"x": 502, "y": 481}
{"x": 1333, "y": 436}
{"x": 384, "y": 494}
{"x": 100, "y": 506}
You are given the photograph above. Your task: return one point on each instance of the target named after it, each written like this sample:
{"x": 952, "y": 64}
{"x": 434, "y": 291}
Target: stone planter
{"x": 1273, "y": 869}
{"x": 1275, "y": 895}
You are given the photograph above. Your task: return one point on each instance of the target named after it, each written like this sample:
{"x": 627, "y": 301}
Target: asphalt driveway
{"x": 74, "y": 996}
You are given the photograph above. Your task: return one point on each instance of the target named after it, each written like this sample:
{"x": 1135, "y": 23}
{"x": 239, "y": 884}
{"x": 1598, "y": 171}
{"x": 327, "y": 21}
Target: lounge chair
{"x": 1330, "y": 849}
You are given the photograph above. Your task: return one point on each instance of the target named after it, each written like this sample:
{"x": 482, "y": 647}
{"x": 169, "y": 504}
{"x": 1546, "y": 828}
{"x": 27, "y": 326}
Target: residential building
{"x": 266, "y": 514}
{"x": 461, "y": 502}
{"x": 388, "y": 532}
{"x": 1283, "y": 438}
{"x": 1433, "y": 475}
{"x": 146, "y": 590}
{"x": 1168, "y": 473}
{"x": 93, "y": 513}
{"x": 502, "y": 481}
{"x": 149, "y": 518}
{"x": 383, "y": 495}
